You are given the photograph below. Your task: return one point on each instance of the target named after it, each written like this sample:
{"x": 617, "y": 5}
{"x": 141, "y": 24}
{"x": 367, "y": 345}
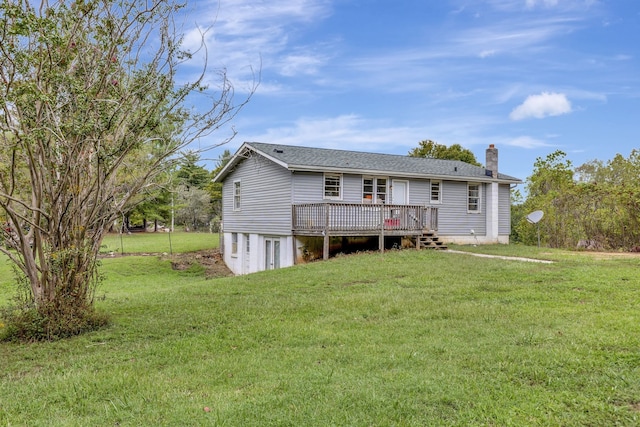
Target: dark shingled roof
{"x": 325, "y": 160}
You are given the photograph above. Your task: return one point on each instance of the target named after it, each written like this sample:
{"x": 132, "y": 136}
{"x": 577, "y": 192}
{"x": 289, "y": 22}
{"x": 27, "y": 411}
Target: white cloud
{"x": 508, "y": 93}
{"x": 527, "y": 142}
{"x": 356, "y": 132}
{"x": 548, "y": 3}
{"x": 411, "y": 69}
{"x": 511, "y": 5}
{"x": 507, "y": 36}
{"x": 543, "y": 105}
{"x": 487, "y": 53}
{"x": 348, "y": 131}
{"x": 261, "y": 34}
{"x": 297, "y": 64}
{"x": 586, "y": 94}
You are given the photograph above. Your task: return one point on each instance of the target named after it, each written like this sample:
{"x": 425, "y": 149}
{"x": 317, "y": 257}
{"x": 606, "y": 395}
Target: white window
{"x": 436, "y": 192}
{"x": 332, "y": 186}
{"x": 236, "y": 195}
{"x": 234, "y": 244}
{"x": 374, "y": 190}
{"x": 473, "y": 202}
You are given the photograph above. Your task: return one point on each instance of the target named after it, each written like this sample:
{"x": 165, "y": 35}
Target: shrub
{"x": 28, "y": 323}
{"x": 23, "y": 320}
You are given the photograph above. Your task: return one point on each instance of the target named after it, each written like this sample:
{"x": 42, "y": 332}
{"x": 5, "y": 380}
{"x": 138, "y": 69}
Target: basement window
{"x": 234, "y": 244}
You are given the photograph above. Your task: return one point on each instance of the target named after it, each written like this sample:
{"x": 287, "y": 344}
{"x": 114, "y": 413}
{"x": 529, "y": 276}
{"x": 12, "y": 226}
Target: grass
{"x": 407, "y": 338}
{"x": 159, "y": 242}
{"x": 518, "y": 250}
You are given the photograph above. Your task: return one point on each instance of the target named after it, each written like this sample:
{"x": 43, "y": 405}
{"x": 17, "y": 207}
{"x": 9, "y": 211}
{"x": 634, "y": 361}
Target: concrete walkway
{"x": 509, "y": 258}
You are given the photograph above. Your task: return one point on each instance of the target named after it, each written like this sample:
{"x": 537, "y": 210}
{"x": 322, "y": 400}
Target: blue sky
{"x": 530, "y": 76}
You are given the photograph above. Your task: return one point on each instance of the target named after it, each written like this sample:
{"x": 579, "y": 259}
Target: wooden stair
{"x": 429, "y": 240}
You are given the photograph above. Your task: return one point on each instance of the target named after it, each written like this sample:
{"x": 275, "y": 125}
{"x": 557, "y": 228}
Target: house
{"x": 275, "y": 195}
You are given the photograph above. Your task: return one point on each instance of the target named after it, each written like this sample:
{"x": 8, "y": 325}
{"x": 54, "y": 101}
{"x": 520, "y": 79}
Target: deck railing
{"x": 350, "y": 218}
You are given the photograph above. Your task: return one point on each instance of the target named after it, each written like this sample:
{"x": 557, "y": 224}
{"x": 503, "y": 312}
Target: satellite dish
{"x": 535, "y": 217}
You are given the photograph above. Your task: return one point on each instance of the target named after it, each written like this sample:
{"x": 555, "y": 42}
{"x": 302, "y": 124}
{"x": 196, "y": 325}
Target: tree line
{"x": 185, "y": 196}
{"x": 593, "y": 206}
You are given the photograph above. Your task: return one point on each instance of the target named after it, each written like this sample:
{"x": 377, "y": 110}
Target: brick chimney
{"x": 492, "y": 161}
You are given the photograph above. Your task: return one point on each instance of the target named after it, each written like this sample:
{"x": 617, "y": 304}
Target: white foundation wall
{"x": 251, "y": 254}
{"x": 474, "y": 240}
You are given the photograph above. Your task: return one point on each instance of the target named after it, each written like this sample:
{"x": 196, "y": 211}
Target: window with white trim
{"x": 236, "y": 195}
{"x": 332, "y": 186}
{"x": 473, "y": 198}
{"x": 374, "y": 190}
{"x": 436, "y": 191}
{"x": 234, "y": 244}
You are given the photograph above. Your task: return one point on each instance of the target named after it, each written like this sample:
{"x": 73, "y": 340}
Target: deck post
{"x": 325, "y": 243}
{"x": 325, "y": 247}
{"x": 381, "y": 243}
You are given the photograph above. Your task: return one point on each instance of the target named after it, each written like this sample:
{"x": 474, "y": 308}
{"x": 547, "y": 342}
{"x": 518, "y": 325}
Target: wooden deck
{"x": 350, "y": 219}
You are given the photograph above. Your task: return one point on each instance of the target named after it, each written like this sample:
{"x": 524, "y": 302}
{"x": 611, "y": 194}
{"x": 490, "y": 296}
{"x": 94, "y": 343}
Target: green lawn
{"x": 159, "y": 242}
{"x": 408, "y": 338}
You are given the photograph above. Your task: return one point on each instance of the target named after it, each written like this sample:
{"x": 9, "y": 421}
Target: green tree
{"x": 193, "y": 208}
{"x": 159, "y": 202}
{"x": 610, "y": 196}
{"x": 154, "y": 205}
{"x": 551, "y": 189}
{"x": 433, "y": 150}
{"x": 518, "y": 213}
{"x": 92, "y": 114}
{"x": 215, "y": 188}
{"x": 594, "y": 206}
{"x": 190, "y": 173}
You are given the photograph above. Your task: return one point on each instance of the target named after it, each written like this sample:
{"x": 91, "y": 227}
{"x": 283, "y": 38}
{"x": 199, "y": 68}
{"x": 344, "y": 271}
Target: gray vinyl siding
{"x": 453, "y": 218}
{"x": 419, "y": 192}
{"x": 268, "y": 191}
{"x": 504, "y": 210}
{"x": 308, "y": 187}
{"x": 265, "y": 201}
{"x": 352, "y": 188}
{"x": 418, "y": 189}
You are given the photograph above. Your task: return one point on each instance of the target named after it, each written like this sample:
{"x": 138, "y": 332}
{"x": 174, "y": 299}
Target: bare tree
{"x": 91, "y": 114}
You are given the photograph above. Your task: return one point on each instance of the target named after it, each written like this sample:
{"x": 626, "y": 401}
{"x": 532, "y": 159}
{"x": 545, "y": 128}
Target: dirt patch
{"x": 210, "y": 259}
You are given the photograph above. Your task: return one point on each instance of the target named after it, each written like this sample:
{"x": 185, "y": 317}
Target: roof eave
{"x": 465, "y": 178}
